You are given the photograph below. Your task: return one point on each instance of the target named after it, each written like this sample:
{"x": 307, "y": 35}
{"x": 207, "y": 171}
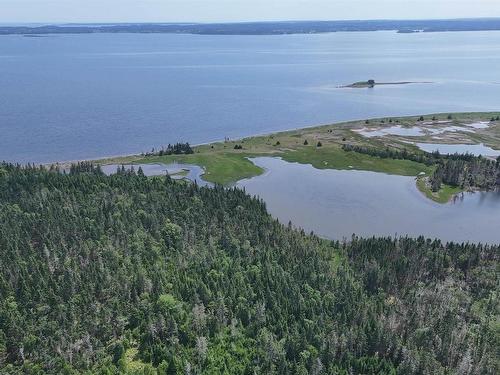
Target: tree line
{"x": 465, "y": 170}
{"x": 175, "y": 149}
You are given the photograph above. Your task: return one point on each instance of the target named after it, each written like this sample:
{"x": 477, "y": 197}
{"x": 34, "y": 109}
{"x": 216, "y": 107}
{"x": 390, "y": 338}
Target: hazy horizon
{"x": 236, "y": 11}
{"x": 106, "y": 22}
{"x": 242, "y": 22}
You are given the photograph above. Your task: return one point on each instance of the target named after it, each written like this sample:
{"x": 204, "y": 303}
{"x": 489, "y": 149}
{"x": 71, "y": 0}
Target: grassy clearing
{"x": 336, "y": 158}
{"x": 444, "y": 195}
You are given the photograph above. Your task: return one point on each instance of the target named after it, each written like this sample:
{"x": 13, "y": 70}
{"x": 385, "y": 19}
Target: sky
{"x": 50, "y": 11}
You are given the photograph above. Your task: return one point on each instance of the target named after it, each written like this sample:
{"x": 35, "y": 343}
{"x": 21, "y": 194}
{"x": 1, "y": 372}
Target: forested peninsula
{"x": 126, "y": 274}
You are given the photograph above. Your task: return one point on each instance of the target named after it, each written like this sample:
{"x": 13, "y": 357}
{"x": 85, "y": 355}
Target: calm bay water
{"x": 68, "y": 97}
{"x": 336, "y": 204}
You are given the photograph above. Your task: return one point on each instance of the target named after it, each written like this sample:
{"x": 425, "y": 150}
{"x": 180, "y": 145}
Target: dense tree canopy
{"x": 476, "y": 173}
{"x": 129, "y": 274}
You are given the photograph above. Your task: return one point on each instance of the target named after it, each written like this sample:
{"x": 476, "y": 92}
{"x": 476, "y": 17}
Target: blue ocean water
{"x": 70, "y": 97}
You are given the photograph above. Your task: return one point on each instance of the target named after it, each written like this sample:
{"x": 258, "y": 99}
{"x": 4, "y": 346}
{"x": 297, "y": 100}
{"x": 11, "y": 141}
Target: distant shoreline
{"x": 262, "y": 28}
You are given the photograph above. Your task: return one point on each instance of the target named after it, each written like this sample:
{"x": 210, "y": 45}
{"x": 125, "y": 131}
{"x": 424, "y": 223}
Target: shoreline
{"x": 258, "y": 28}
{"x": 343, "y": 123}
{"x": 239, "y": 139}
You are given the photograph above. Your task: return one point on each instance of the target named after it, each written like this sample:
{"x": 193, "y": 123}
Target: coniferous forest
{"x": 476, "y": 173}
{"x": 126, "y": 274}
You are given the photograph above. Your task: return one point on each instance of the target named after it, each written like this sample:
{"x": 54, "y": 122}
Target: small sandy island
{"x": 372, "y": 83}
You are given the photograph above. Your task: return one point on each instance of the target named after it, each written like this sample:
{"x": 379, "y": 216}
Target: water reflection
{"x": 477, "y": 150}
{"x": 336, "y": 204}
{"x": 413, "y": 131}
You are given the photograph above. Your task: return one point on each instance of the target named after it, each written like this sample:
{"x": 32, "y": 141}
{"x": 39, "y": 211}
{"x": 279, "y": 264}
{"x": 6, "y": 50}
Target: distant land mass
{"x": 262, "y": 28}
